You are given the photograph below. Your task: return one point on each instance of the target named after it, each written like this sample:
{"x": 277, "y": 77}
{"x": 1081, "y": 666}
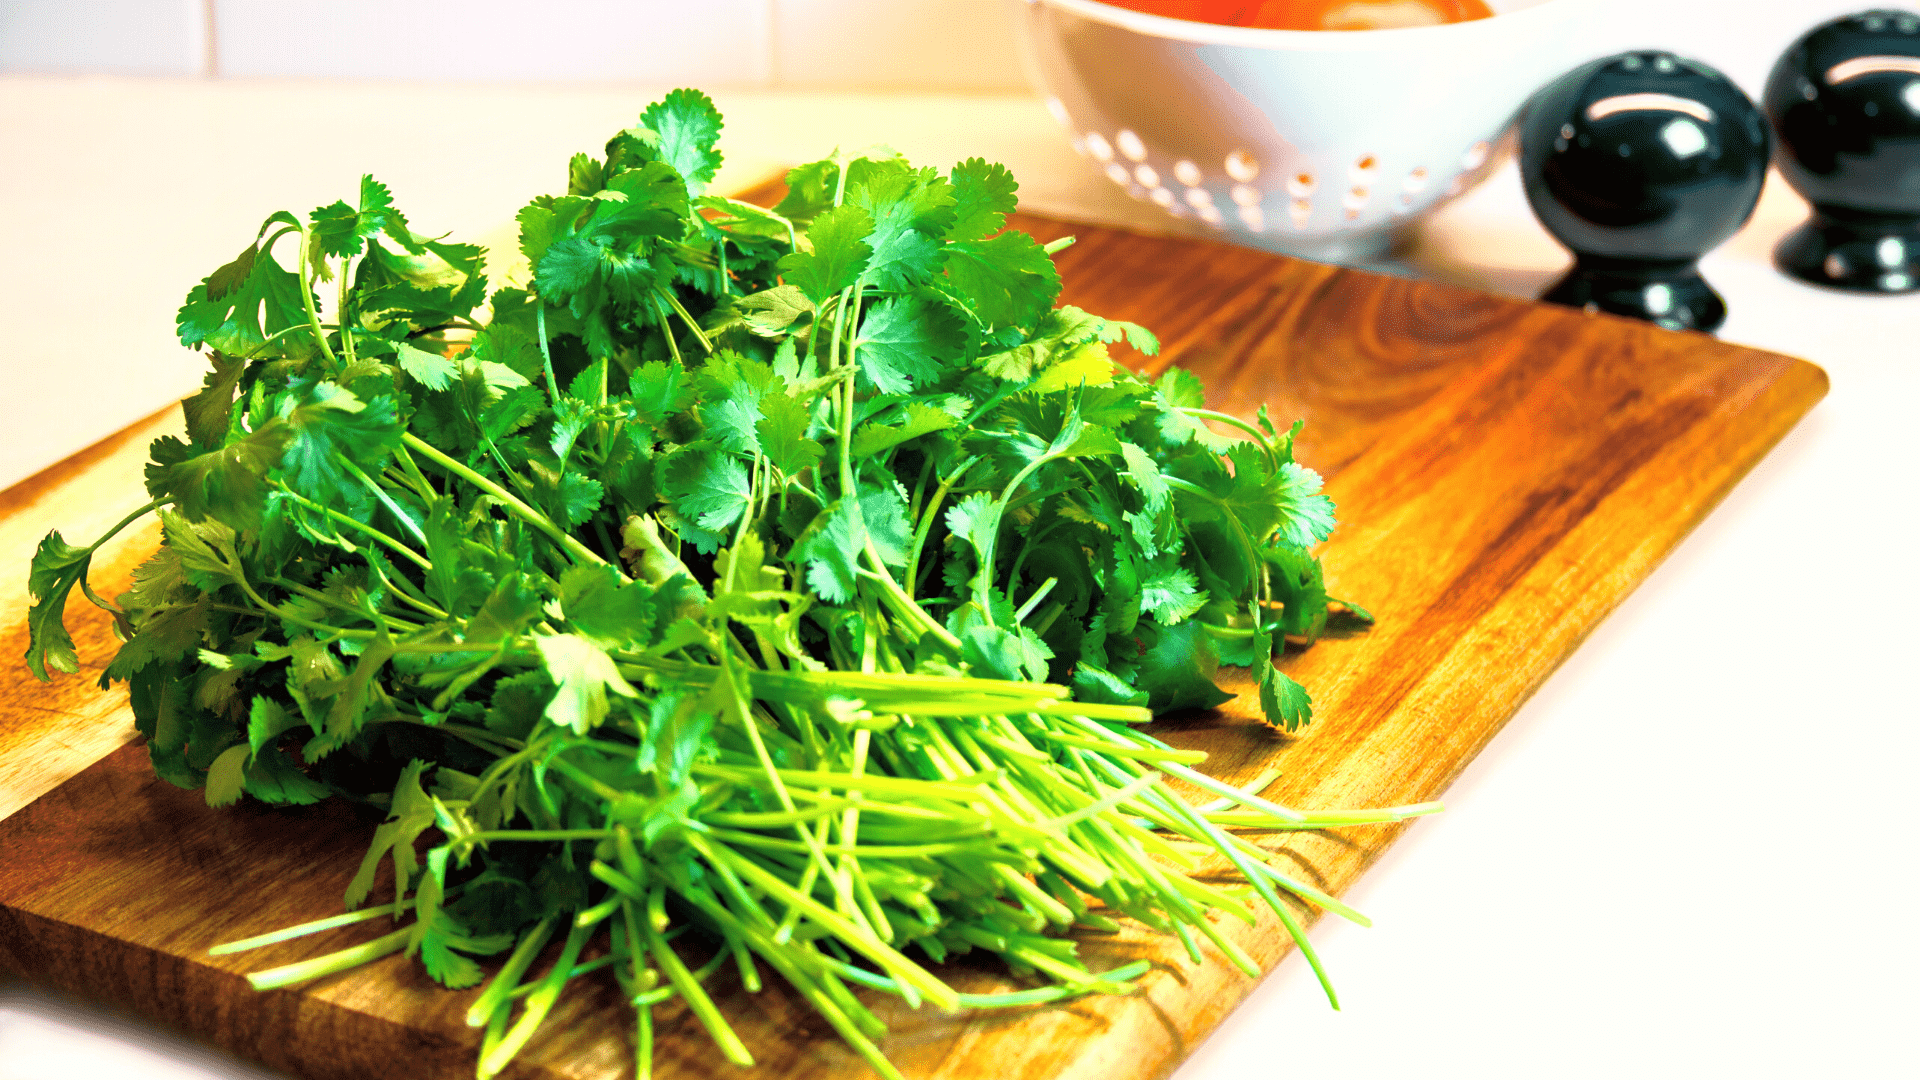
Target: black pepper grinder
{"x": 1642, "y": 163}
{"x": 1845, "y": 101}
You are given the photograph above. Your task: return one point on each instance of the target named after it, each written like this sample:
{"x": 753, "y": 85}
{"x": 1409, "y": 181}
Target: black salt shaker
{"x": 1641, "y": 163}
{"x": 1845, "y": 102}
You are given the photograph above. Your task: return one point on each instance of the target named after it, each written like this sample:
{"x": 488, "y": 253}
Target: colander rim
{"x": 1200, "y": 33}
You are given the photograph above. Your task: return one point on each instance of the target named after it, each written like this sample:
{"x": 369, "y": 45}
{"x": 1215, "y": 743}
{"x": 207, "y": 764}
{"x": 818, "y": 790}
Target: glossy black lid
{"x": 1845, "y": 101}
{"x": 1643, "y": 156}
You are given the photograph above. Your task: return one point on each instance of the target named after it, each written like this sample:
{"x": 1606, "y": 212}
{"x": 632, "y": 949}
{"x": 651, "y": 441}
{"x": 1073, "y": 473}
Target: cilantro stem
{"x": 538, "y": 1004}
{"x": 344, "y": 960}
{"x": 340, "y": 316}
{"x": 908, "y": 972}
{"x": 897, "y": 598}
{"x": 1260, "y": 437}
{"x": 278, "y": 612}
{"x": 1254, "y": 560}
{"x": 386, "y": 500}
{"x": 927, "y": 517}
{"x": 306, "y": 295}
{"x": 1246, "y": 799}
{"x": 421, "y": 485}
{"x": 403, "y": 589}
{"x": 840, "y": 184}
{"x": 519, "y": 509}
{"x": 546, "y": 353}
{"x": 333, "y": 922}
{"x": 983, "y": 579}
{"x": 1059, "y": 245}
{"x": 322, "y": 598}
{"x": 478, "y": 737}
{"x": 815, "y": 851}
{"x": 694, "y": 995}
{"x": 86, "y": 587}
{"x": 253, "y": 351}
{"x": 666, "y": 332}
{"x": 845, "y": 398}
{"x": 1033, "y": 601}
{"x": 698, "y": 334}
{"x": 495, "y": 994}
{"x": 534, "y": 835}
{"x": 126, "y": 521}
{"x": 342, "y": 519}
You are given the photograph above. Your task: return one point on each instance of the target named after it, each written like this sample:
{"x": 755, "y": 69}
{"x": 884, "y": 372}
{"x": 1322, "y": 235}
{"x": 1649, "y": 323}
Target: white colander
{"x": 1320, "y": 144}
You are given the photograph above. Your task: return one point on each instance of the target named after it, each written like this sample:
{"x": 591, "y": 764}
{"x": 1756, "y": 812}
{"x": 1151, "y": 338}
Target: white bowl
{"x": 1321, "y": 144}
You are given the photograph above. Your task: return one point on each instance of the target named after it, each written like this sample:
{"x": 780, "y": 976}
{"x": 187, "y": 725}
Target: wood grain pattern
{"x": 1506, "y": 473}
{"x": 50, "y": 731}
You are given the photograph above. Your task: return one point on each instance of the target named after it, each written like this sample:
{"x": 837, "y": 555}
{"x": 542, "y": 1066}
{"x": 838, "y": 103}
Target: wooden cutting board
{"x": 1505, "y": 472}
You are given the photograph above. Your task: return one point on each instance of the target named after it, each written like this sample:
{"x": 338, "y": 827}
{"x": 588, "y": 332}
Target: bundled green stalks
{"x": 790, "y": 577}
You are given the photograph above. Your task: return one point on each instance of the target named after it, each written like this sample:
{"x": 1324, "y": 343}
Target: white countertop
{"x": 1688, "y": 855}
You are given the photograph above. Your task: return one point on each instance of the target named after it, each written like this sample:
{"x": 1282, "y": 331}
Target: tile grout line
{"x": 771, "y": 80}
{"x": 209, "y": 41}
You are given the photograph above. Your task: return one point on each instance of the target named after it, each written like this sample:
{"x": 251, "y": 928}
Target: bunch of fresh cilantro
{"x": 792, "y": 577}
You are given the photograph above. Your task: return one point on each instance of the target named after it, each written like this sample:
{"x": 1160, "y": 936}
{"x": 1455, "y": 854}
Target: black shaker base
{"x": 1870, "y": 254}
{"x": 1670, "y": 295}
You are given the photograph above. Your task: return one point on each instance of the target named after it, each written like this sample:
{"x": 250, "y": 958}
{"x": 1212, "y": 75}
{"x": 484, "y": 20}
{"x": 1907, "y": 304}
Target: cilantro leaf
{"x": 1144, "y": 474}
{"x": 267, "y": 720}
{"x": 830, "y": 549}
{"x": 229, "y": 484}
{"x": 244, "y": 302}
{"x": 1177, "y": 670}
{"x": 919, "y": 420}
{"x": 839, "y": 253}
{"x": 57, "y": 567}
{"x": 1285, "y": 703}
{"x": 730, "y": 389}
{"x": 1171, "y": 594}
{"x": 774, "y": 312}
{"x": 809, "y": 191}
{"x": 583, "y": 674}
{"x": 340, "y": 230}
{"x": 211, "y": 410}
{"x": 983, "y": 195}
{"x": 710, "y": 488}
{"x": 166, "y": 634}
{"x": 678, "y": 725}
{"x": 1006, "y": 281}
{"x": 432, "y": 370}
{"x": 327, "y": 426}
{"x": 660, "y": 391}
{"x": 897, "y": 343}
{"x": 648, "y": 201}
{"x": 782, "y": 434}
{"x": 410, "y": 815}
{"x": 1306, "y": 516}
{"x": 688, "y": 127}
{"x": 606, "y": 611}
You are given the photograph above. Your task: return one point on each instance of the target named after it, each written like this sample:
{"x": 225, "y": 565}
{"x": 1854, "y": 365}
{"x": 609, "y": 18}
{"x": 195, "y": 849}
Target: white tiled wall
{"x": 110, "y": 37}
{"x": 721, "y": 42}
{"x": 962, "y": 45}
{"x": 895, "y": 44}
{"x": 925, "y": 45}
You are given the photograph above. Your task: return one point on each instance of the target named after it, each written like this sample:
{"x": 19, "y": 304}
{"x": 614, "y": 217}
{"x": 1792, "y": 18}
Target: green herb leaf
{"x": 839, "y": 253}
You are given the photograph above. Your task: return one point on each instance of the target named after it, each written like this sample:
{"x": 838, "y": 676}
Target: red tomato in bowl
{"x": 1315, "y": 14}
